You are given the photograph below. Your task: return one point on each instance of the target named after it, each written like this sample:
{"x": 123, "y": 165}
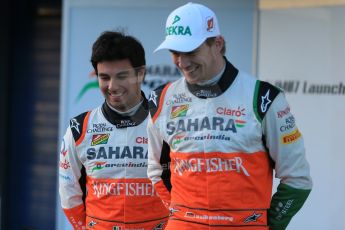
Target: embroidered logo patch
{"x": 100, "y": 139}
{"x": 179, "y": 111}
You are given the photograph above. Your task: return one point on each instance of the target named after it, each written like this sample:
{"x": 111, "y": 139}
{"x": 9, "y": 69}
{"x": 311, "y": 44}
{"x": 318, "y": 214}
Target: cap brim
{"x": 180, "y": 44}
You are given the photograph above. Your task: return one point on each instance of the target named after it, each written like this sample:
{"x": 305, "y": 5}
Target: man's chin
{"x": 116, "y": 105}
{"x": 192, "y": 81}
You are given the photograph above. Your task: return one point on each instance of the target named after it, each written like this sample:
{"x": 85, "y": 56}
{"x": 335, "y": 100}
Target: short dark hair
{"x": 211, "y": 40}
{"x": 113, "y": 45}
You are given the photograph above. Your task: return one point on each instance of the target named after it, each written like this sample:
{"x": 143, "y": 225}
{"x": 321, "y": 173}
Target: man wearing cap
{"x": 220, "y": 134}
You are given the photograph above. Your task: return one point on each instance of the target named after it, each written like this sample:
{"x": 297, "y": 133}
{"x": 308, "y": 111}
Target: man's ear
{"x": 219, "y": 41}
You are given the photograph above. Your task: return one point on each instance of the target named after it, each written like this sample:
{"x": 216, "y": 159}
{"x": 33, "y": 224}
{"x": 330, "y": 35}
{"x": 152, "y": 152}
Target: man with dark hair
{"x": 107, "y": 147}
{"x": 226, "y": 132}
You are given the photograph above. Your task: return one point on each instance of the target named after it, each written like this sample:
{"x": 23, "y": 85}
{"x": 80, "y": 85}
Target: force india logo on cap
{"x": 210, "y": 25}
{"x": 177, "y": 30}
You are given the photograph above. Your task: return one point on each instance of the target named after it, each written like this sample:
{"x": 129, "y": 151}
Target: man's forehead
{"x": 124, "y": 70}
{"x": 118, "y": 71}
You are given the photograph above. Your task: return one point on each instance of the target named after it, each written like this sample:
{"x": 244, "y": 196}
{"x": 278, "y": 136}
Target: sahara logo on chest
{"x": 205, "y": 123}
{"x": 130, "y": 152}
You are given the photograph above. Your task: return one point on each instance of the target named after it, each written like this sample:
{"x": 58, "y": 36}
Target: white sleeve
{"x": 69, "y": 173}
{"x": 286, "y": 145}
{"x": 155, "y": 144}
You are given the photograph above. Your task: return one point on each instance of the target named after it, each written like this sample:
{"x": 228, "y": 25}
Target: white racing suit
{"x": 111, "y": 150}
{"x": 225, "y": 142}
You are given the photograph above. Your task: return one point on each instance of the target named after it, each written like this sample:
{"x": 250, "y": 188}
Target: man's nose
{"x": 113, "y": 84}
{"x": 183, "y": 61}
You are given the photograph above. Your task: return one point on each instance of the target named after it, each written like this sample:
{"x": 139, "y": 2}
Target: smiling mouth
{"x": 116, "y": 94}
{"x": 192, "y": 71}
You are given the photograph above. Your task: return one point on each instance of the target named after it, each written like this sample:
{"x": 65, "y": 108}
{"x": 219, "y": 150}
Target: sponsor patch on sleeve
{"x": 291, "y": 137}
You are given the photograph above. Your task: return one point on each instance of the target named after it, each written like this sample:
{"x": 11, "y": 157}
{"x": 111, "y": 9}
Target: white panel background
{"x": 308, "y": 45}
{"x": 84, "y": 20}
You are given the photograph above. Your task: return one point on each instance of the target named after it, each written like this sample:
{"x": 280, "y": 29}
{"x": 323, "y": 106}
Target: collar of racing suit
{"x": 217, "y": 89}
{"x": 121, "y": 121}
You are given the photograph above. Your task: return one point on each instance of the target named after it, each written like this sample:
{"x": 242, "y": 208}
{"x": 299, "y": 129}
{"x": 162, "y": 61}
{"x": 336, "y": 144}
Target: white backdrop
{"x": 303, "y": 51}
{"x": 84, "y": 20}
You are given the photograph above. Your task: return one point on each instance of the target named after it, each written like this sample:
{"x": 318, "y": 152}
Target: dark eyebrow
{"x": 103, "y": 74}
{"x": 122, "y": 72}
